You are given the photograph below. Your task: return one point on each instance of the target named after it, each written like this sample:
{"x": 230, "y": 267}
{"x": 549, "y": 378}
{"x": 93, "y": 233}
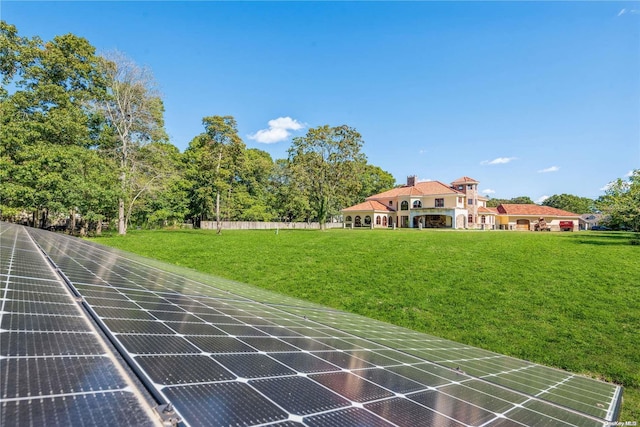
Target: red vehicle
{"x": 566, "y": 225}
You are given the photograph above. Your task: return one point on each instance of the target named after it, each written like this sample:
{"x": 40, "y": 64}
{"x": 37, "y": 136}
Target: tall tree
{"x": 290, "y": 202}
{"x": 252, "y": 200}
{"x": 327, "y": 163}
{"x": 374, "y": 180}
{"x": 158, "y": 186}
{"x": 520, "y": 200}
{"x": 621, "y": 202}
{"x": 216, "y": 159}
{"x": 570, "y": 203}
{"x": 133, "y": 112}
{"x": 45, "y": 122}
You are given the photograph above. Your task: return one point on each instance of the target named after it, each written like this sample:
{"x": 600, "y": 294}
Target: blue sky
{"x": 529, "y": 98}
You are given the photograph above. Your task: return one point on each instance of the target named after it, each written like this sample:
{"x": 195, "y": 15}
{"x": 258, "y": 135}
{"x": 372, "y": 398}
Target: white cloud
{"x": 497, "y": 161}
{"x": 629, "y": 174}
{"x": 551, "y": 169}
{"x": 626, "y": 11}
{"x": 279, "y": 130}
{"x": 606, "y": 187}
{"x": 624, "y": 185}
{"x": 541, "y": 199}
{"x": 488, "y": 191}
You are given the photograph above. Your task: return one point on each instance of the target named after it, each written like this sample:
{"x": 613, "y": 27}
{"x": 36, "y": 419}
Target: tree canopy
{"x": 326, "y": 163}
{"x": 570, "y": 203}
{"x": 521, "y": 200}
{"x": 621, "y": 203}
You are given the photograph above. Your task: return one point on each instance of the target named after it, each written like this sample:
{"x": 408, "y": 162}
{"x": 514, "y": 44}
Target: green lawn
{"x": 569, "y": 300}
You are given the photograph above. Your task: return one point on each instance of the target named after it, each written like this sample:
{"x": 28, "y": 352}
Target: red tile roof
{"x": 424, "y": 188}
{"x": 369, "y": 205}
{"x": 464, "y": 180}
{"x": 532, "y": 210}
{"x": 482, "y": 209}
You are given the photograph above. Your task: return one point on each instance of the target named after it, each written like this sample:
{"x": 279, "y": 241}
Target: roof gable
{"x": 490, "y": 211}
{"x": 369, "y": 205}
{"x": 465, "y": 180}
{"x": 423, "y": 188}
{"x": 532, "y": 210}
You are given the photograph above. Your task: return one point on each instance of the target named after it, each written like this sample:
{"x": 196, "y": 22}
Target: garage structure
{"x": 525, "y": 217}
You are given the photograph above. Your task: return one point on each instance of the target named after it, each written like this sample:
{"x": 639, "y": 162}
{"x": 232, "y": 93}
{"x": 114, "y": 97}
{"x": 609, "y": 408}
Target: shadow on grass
{"x": 604, "y": 238}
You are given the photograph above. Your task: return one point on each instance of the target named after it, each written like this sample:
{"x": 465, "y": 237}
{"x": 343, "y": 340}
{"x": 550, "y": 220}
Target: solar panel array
{"x": 225, "y": 353}
{"x": 54, "y": 366}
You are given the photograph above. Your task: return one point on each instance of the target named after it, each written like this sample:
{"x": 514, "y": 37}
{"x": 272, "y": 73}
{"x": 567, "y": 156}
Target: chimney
{"x": 411, "y": 181}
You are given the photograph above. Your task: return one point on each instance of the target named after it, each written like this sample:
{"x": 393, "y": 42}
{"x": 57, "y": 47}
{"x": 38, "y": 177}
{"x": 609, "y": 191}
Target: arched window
{"x": 483, "y": 219}
{"x": 347, "y": 219}
{"x": 384, "y": 221}
{"x": 367, "y": 220}
{"x": 358, "y": 221}
{"x": 470, "y": 219}
{"x": 378, "y": 220}
{"x": 417, "y": 204}
{"x": 404, "y": 206}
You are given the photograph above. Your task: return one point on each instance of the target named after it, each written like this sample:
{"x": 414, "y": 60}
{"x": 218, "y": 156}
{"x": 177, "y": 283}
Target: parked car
{"x": 600, "y": 228}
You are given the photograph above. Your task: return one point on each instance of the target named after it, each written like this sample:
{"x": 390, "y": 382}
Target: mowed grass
{"x": 568, "y": 300}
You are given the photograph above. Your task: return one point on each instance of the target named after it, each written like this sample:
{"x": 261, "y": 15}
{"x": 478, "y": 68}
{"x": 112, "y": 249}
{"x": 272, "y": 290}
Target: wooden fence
{"x": 258, "y": 225}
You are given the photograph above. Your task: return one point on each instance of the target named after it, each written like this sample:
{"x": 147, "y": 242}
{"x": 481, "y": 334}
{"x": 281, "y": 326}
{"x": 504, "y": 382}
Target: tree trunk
{"x": 99, "y": 227}
{"x": 322, "y": 213}
{"x": 218, "y": 225}
{"x": 122, "y": 225}
{"x": 43, "y": 219}
{"x": 122, "y": 222}
{"x": 73, "y": 222}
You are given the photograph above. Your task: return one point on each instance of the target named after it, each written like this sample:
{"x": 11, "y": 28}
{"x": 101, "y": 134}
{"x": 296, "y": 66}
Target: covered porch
{"x": 435, "y": 218}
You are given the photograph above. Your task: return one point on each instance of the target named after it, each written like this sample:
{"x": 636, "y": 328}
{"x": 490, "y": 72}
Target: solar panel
{"x": 55, "y": 368}
{"x": 225, "y": 353}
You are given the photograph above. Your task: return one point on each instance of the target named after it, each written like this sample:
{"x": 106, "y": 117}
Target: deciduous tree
{"x": 45, "y": 123}
{"x": 133, "y": 112}
{"x": 521, "y": 200}
{"x": 374, "y": 180}
{"x": 290, "y": 201}
{"x": 570, "y": 203}
{"x": 216, "y": 159}
{"x": 326, "y": 164}
{"x": 621, "y": 203}
{"x": 158, "y": 186}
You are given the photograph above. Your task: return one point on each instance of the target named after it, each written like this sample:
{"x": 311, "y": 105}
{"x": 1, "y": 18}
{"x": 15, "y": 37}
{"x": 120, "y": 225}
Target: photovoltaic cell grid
{"x": 225, "y": 353}
{"x": 54, "y": 367}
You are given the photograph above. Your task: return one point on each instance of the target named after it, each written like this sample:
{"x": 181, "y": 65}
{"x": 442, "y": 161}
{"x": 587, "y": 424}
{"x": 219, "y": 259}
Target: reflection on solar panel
{"x": 225, "y": 353}
{"x": 54, "y": 366}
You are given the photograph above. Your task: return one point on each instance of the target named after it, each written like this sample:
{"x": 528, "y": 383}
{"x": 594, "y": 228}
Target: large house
{"x": 433, "y": 204}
